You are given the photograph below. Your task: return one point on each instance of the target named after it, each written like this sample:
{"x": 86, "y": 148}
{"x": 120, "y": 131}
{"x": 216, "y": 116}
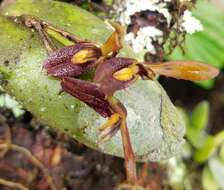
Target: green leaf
{"x": 200, "y": 116}
{"x": 221, "y": 153}
{"x": 208, "y": 180}
{"x": 155, "y": 127}
{"x": 207, "y": 84}
{"x": 197, "y": 122}
{"x": 202, "y": 154}
{"x": 219, "y": 138}
{"x": 210, "y": 145}
{"x": 206, "y": 46}
{"x": 195, "y": 137}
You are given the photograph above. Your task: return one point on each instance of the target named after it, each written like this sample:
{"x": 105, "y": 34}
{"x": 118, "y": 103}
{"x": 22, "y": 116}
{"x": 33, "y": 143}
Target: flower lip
{"x": 89, "y": 93}
{"x": 60, "y": 64}
{"x": 88, "y": 54}
{"x": 104, "y": 75}
{"x": 65, "y": 54}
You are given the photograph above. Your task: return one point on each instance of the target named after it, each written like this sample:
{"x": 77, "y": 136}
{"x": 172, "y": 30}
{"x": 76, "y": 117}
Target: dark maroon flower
{"x": 72, "y": 60}
{"x": 104, "y": 75}
{"x": 89, "y": 93}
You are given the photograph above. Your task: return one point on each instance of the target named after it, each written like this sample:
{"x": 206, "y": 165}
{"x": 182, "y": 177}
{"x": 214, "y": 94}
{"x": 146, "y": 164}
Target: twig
{"x": 12, "y": 184}
{"x": 33, "y": 159}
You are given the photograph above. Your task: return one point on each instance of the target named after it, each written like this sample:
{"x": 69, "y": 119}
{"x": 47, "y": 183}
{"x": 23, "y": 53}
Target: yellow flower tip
{"x": 84, "y": 56}
{"x": 113, "y": 119}
{"x": 124, "y": 74}
{"x": 115, "y": 41}
{"x": 121, "y": 30}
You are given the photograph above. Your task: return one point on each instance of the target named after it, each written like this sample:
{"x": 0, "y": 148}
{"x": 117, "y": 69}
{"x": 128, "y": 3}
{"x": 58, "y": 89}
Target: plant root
{"x": 33, "y": 159}
{"x": 12, "y": 184}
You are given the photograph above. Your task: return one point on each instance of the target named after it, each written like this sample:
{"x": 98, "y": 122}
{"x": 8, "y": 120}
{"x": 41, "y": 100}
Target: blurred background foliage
{"x": 201, "y": 164}
{"x": 207, "y": 45}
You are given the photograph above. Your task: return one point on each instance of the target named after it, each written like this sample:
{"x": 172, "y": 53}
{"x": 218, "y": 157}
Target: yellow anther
{"x": 84, "y": 55}
{"x": 114, "y": 118}
{"x": 111, "y": 121}
{"x": 126, "y": 73}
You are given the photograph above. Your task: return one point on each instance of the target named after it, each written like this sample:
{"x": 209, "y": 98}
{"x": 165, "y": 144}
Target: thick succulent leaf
{"x": 208, "y": 45}
{"x": 155, "y": 127}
